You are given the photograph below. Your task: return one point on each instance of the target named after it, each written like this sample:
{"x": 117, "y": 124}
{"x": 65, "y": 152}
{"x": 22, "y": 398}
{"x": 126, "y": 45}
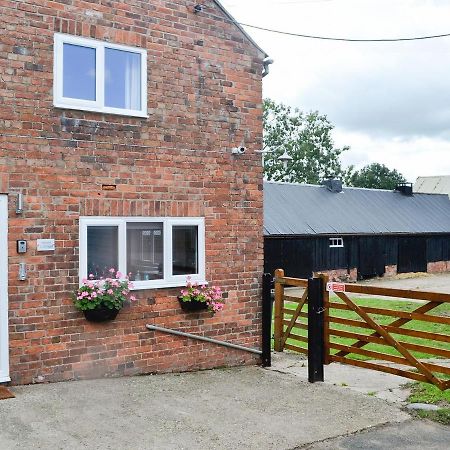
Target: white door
{"x": 4, "y": 363}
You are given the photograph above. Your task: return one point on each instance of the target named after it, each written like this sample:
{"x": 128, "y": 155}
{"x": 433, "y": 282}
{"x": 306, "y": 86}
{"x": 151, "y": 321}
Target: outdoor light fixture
{"x": 285, "y": 159}
{"x": 19, "y": 203}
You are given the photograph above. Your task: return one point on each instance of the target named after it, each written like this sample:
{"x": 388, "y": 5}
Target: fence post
{"x": 326, "y": 323}
{"x": 278, "y": 318}
{"x": 266, "y": 320}
{"x": 315, "y": 330}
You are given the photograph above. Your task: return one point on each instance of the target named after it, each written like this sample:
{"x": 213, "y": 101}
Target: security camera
{"x": 238, "y": 150}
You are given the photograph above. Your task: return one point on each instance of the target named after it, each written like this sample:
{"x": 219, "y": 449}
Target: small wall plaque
{"x": 45, "y": 245}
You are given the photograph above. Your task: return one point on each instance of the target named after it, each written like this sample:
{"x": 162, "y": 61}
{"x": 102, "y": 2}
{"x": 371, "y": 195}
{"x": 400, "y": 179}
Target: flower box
{"x": 100, "y": 314}
{"x": 192, "y": 305}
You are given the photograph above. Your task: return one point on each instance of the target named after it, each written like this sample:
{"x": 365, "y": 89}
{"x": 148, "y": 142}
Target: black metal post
{"x": 315, "y": 330}
{"x": 266, "y": 319}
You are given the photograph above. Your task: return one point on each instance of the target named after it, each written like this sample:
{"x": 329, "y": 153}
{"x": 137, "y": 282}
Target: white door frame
{"x": 4, "y": 346}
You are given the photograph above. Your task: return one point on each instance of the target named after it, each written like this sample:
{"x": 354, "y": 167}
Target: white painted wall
{"x": 4, "y": 361}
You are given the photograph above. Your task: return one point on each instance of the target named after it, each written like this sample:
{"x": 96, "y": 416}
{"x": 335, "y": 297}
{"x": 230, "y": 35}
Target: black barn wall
{"x": 300, "y": 256}
{"x": 412, "y": 254}
{"x": 438, "y": 248}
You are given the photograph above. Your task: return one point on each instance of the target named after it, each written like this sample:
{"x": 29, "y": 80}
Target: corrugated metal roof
{"x": 433, "y": 185}
{"x": 299, "y": 209}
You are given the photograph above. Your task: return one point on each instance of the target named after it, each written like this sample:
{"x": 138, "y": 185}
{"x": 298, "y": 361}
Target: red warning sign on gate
{"x": 335, "y": 287}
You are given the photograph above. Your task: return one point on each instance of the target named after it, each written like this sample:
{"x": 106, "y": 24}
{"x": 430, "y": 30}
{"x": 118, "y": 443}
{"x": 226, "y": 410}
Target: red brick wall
{"x": 204, "y": 96}
{"x": 438, "y": 267}
{"x": 342, "y": 275}
{"x": 390, "y": 271}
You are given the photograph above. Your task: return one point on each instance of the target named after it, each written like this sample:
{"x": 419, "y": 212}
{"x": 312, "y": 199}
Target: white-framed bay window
{"x": 156, "y": 252}
{"x": 93, "y": 75}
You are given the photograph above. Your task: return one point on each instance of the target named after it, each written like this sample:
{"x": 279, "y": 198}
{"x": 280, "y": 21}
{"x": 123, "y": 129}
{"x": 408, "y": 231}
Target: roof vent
{"x": 405, "y": 188}
{"x": 333, "y": 185}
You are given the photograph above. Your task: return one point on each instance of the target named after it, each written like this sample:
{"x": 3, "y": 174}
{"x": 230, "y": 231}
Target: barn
{"x": 354, "y": 233}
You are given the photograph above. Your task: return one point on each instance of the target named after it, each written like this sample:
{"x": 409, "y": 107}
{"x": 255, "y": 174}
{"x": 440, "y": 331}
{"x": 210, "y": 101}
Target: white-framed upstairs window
{"x": 156, "y": 252}
{"x": 336, "y": 242}
{"x": 93, "y": 75}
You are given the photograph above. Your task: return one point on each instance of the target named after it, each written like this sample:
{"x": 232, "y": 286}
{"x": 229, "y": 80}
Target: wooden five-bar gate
{"x": 330, "y": 324}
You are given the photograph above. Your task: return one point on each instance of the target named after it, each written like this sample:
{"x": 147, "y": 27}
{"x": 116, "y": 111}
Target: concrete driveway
{"x": 241, "y": 408}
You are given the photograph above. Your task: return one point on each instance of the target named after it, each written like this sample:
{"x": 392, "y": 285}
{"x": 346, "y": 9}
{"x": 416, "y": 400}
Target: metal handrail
{"x": 204, "y": 339}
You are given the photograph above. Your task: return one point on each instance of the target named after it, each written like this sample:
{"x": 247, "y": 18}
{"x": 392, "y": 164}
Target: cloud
{"x": 410, "y": 98}
{"x": 389, "y": 101}
{"x": 412, "y": 157}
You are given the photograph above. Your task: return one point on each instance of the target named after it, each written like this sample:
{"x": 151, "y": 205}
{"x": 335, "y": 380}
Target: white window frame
{"x": 169, "y": 279}
{"x": 336, "y": 242}
{"x": 97, "y": 105}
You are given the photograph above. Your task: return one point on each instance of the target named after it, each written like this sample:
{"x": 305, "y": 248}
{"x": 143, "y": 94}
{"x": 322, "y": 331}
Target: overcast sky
{"x": 390, "y": 102}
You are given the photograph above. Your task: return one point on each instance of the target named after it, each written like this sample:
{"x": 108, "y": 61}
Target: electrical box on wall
{"x": 21, "y": 246}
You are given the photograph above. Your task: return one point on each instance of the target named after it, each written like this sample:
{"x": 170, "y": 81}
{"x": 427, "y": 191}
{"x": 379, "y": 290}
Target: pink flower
{"x": 94, "y": 295}
{"x": 112, "y": 270}
{"x": 110, "y": 291}
{"x": 84, "y": 280}
{"x": 91, "y": 275}
{"x": 132, "y": 298}
{"x": 119, "y": 275}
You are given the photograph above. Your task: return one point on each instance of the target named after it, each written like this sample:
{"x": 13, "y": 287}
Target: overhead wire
{"x": 339, "y": 39}
{"x": 329, "y": 38}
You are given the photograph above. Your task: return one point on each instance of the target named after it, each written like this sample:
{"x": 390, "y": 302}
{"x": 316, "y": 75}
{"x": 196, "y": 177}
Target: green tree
{"x": 375, "y": 176}
{"x": 307, "y": 140}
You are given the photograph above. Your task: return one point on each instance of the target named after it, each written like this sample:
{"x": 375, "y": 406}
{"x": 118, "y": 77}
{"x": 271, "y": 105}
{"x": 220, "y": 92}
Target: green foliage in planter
{"x": 111, "y": 292}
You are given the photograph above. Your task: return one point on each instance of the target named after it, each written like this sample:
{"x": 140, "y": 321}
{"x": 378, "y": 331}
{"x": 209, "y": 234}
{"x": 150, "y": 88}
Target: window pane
{"x": 122, "y": 79}
{"x": 185, "y": 250}
{"x": 102, "y": 250}
{"x": 78, "y": 72}
{"x": 145, "y": 251}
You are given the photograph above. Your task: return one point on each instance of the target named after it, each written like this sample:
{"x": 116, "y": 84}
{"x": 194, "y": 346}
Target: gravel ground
{"x": 241, "y": 408}
{"x": 436, "y": 282}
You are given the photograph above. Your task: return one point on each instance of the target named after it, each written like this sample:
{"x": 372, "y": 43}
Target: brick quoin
{"x": 204, "y": 97}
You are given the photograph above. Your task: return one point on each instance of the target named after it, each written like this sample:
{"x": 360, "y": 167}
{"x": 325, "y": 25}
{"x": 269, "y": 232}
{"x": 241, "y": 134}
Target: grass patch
{"x": 441, "y": 416}
{"x": 427, "y": 393}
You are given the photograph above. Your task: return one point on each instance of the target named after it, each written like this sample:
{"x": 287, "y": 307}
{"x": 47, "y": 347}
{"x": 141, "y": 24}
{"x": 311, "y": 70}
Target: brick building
{"x": 116, "y": 128}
